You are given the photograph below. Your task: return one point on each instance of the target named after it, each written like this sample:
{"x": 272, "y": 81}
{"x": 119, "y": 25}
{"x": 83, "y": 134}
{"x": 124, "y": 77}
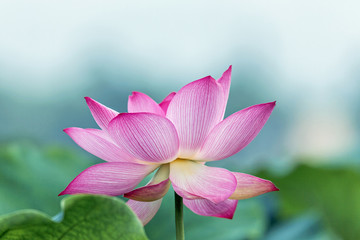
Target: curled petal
{"x": 250, "y": 186}
{"x": 225, "y": 82}
{"x": 149, "y": 193}
{"x": 235, "y": 132}
{"x": 140, "y": 102}
{"x": 98, "y": 143}
{"x": 165, "y": 103}
{"x": 204, "y": 207}
{"x": 146, "y": 136}
{"x": 102, "y": 114}
{"x": 195, "y": 110}
{"x": 155, "y": 189}
{"x": 144, "y": 210}
{"x": 109, "y": 178}
{"x": 214, "y": 184}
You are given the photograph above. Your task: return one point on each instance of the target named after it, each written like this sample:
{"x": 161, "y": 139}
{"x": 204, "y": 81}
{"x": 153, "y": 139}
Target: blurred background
{"x": 303, "y": 54}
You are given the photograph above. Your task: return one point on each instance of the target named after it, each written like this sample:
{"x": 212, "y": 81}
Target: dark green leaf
{"x": 90, "y": 217}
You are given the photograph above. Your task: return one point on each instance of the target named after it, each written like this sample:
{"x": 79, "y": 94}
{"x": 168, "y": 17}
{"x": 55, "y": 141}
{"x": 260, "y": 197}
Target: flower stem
{"x": 179, "y": 221}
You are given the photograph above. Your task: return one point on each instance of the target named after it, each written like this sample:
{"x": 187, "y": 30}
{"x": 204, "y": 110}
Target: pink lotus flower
{"x": 176, "y": 137}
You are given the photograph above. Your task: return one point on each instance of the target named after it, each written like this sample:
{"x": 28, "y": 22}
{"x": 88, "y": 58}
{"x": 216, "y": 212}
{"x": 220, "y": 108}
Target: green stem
{"x": 179, "y": 221}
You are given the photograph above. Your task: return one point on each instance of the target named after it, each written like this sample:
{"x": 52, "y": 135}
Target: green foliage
{"x": 334, "y": 193}
{"x": 90, "y": 217}
{"x": 32, "y": 176}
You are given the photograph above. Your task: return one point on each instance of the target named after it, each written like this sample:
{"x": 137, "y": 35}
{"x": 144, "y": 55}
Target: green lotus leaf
{"x": 87, "y": 217}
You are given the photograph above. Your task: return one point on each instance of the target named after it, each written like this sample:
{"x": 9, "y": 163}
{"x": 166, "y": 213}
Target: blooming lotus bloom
{"x": 174, "y": 138}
